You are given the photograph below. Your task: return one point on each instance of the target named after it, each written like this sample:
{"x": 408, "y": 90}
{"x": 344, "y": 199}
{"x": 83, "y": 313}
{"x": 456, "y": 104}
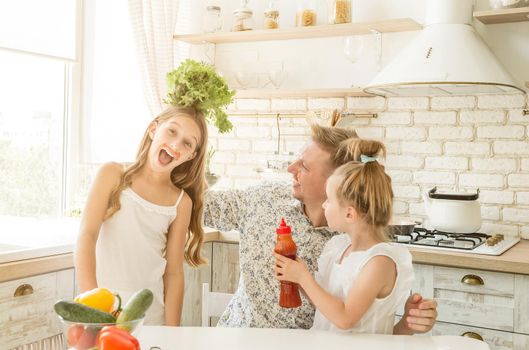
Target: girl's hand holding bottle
{"x": 291, "y": 270}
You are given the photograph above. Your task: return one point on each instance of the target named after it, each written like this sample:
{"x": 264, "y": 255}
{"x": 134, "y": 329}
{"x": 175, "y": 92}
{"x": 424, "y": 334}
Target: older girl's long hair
{"x": 188, "y": 176}
{"x": 366, "y": 186}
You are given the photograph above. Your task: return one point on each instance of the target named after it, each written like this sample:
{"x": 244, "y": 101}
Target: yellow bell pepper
{"x": 98, "y": 298}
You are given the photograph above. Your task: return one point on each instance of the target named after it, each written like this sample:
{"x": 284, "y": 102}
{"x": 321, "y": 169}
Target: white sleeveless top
{"x": 337, "y": 278}
{"x": 130, "y": 250}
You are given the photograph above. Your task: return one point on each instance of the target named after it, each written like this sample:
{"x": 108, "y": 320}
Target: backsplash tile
{"x": 461, "y": 143}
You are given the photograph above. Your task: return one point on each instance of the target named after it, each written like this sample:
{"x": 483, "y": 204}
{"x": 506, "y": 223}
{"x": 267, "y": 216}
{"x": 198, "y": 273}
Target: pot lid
{"x": 460, "y": 196}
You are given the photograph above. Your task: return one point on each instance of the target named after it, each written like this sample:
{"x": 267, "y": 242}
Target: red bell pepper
{"x": 114, "y": 338}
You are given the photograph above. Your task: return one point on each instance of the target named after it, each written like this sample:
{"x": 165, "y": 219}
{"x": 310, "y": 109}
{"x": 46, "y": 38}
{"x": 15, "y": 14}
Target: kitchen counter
{"x": 35, "y": 259}
{"x": 515, "y": 260}
{"x": 208, "y": 338}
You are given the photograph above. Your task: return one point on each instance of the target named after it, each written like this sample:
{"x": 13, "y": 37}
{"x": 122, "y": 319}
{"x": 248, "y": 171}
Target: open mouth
{"x": 167, "y": 155}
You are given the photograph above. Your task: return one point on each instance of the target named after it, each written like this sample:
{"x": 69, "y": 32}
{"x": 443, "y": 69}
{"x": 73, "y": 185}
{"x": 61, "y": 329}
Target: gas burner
{"x": 477, "y": 243}
{"x": 434, "y": 238}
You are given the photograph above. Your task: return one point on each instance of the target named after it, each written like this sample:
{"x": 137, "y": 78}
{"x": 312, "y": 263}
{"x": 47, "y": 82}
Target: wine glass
{"x": 353, "y": 47}
{"x": 243, "y": 78}
{"x": 277, "y": 74}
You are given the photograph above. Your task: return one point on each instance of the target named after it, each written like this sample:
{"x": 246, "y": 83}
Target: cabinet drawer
{"x": 494, "y": 283}
{"x": 27, "y": 318}
{"x": 475, "y": 297}
{"x": 497, "y": 340}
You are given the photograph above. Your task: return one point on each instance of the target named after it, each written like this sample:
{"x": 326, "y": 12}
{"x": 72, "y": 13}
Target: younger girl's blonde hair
{"x": 365, "y": 185}
{"x": 188, "y": 176}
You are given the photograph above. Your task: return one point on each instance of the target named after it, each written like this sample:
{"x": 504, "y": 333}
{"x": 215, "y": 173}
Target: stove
{"x": 476, "y": 243}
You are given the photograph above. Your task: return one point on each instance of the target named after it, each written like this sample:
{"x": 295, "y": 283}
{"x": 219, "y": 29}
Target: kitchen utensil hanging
{"x": 334, "y": 118}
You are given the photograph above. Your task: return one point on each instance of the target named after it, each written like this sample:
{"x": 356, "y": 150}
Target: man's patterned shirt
{"x": 256, "y": 212}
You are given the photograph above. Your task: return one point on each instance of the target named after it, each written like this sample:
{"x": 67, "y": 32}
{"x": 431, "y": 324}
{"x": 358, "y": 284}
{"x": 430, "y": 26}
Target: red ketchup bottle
{"x": 289, "y": 295}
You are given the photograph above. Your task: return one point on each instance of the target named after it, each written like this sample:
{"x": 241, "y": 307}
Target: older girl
{"x": 134, "y": 229}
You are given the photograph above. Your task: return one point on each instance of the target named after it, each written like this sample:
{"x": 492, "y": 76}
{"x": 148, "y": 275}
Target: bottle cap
{"x": 283, "y": 228}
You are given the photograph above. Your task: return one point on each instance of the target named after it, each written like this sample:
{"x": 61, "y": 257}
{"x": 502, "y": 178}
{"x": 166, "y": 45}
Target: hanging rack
{"x": 286, "y": 114}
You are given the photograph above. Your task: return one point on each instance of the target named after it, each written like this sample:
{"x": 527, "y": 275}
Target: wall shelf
{"x": 386, "y": 26}
{"x": 520, "y": 14}
{"x": 302, "y": 93}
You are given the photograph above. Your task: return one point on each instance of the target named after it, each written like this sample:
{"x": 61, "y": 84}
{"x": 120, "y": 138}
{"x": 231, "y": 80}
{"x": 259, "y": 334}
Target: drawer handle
{"x": 23, "y": 289}
{"x": 472, "y": 280}
{"x": 472, "y": 335}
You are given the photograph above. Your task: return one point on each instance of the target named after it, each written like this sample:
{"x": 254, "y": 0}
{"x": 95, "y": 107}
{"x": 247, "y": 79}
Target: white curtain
{"x": 153, "y": 23}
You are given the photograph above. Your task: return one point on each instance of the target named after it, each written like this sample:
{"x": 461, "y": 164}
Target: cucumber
{"x": 136, "y": 307}
{"x": 75, "y": 312}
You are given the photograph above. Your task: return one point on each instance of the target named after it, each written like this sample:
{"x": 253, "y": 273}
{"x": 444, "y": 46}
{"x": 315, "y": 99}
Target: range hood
{"x": 447, "y": 58}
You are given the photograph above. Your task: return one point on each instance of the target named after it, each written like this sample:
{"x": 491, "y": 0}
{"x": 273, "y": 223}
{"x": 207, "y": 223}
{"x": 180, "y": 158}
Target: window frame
{"x": 72, "y": 112}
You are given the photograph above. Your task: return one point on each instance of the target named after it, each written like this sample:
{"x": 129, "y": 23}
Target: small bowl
{"x": 83, "y": 336}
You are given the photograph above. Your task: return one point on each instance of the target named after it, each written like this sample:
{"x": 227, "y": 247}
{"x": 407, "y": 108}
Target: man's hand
{"x": 419, "y": 316}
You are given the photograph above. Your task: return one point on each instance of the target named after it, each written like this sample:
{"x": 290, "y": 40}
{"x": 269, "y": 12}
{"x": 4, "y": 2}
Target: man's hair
{"x": 334, "y": 140}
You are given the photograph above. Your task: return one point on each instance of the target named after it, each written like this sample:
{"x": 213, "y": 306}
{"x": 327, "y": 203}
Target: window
{"x": 56, "y": 128}
{"x": 32, "y": 120}
{"x": 38, "y": 54}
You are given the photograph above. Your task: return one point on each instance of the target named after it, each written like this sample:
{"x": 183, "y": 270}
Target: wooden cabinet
{"x": 221, "y": 272}
{"x": 478, "y": 303}
{"x": 26, "y": 310}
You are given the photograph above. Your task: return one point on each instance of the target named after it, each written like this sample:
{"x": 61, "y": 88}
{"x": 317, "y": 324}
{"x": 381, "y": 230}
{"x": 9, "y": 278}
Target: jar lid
{"x": 245, "y": 11}
{"x": 213, "y": 8}
{"x": 271, "y": 13}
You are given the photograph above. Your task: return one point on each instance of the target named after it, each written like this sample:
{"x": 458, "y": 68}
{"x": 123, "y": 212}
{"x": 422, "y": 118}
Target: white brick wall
{"x": 289, "y": 104}
{"x": 456, "y": 102}
{"x": 482, "y": 117}
{"x": 434, "y": 118}
{"x": 460, "y": 143}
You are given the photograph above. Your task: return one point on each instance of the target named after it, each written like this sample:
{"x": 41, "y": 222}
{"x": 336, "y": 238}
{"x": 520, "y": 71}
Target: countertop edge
{"x": 23, "y": 268}
{"x": 36, "y": 266}
{"x": 515, "y": 260}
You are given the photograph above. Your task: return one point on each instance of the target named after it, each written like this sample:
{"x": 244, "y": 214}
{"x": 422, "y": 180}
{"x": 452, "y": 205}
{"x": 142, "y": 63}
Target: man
{"x": 257, "y": 211}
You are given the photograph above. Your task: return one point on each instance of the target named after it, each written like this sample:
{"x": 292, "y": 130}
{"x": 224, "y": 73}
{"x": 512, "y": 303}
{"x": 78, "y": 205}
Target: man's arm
{"x": 225, "y": 210}
{"x": 419, "y": 316}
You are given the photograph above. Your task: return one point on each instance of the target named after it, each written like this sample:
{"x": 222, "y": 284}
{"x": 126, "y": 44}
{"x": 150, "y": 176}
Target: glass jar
{"x": 339, "y": 11}
{"x": 271, "y": 19}
{"x": 271, "y": 16}
{"x": 306, "y": 13}
{"x": 213, "y": 19}
{"x": 242, "y": 18}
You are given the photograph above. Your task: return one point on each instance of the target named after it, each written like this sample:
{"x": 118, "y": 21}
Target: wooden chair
{"x": 213, "y": 304}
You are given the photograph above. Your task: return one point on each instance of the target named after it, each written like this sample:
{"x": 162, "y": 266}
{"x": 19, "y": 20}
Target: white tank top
{"x": 130, "y": 250}
{"x": 337, "y": 278}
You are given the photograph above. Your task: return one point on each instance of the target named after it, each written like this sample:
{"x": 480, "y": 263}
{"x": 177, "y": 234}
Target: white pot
{"x": 453, "y": 212}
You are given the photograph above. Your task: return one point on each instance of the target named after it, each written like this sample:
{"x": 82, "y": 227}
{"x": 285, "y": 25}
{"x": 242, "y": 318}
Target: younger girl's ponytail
{"x": 364, "y": 183}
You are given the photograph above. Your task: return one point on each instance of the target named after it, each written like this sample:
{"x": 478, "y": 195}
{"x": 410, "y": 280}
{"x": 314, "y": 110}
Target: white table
{"x": 213, "y": 338}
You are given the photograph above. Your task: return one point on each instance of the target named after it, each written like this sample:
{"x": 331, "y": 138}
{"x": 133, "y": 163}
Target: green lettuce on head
{"x": 197, "y": 84}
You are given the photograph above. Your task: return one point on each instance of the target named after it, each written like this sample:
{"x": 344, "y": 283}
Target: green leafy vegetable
{"x": 196, "y": 84}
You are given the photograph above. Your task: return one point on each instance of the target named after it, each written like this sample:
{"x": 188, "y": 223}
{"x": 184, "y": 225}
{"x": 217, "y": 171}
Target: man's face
{"x": 310, "y": 173}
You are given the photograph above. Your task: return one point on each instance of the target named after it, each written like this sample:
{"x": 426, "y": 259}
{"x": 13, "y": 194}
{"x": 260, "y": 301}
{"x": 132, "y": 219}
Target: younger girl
{"x": 361, "y": 279}
{"x": 134, "y": 229}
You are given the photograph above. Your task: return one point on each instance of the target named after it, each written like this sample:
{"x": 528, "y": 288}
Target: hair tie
{"x": 367, "y": 159}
